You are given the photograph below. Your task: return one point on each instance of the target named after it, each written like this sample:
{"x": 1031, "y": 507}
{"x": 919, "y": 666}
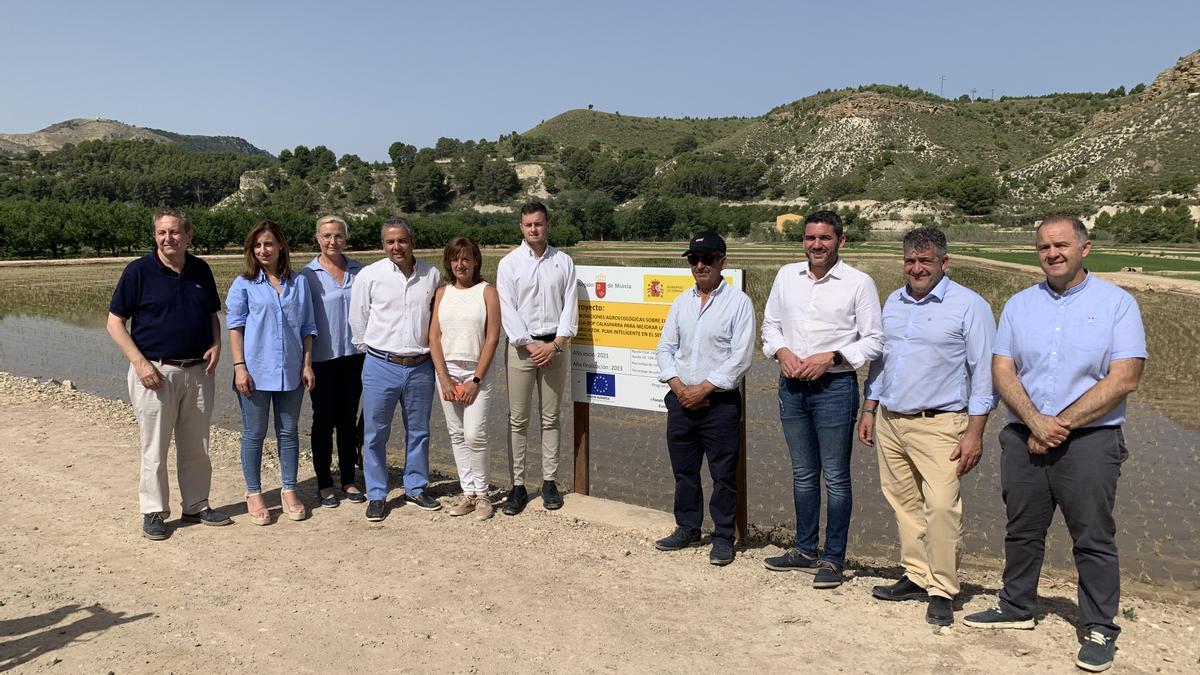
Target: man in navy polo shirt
{"x": 1067, "y": 354}
{"x": 171, "y": 299}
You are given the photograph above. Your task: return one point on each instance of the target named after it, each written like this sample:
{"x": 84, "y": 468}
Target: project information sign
{"x": 621, "y": 314}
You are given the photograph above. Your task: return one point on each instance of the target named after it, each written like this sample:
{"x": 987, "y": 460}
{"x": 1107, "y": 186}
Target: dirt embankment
{"x": 578, "y": 590}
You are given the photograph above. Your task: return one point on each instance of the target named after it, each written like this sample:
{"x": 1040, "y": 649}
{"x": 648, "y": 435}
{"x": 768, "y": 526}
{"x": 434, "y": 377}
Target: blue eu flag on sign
{"x": 601, "y": 384}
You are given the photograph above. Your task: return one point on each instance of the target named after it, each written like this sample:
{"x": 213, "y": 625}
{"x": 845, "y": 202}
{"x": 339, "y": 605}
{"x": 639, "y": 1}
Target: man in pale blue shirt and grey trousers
{"x": 1068, "y": 353}
{"x": 925, "y": 406}
{"x": 704, "y": 352}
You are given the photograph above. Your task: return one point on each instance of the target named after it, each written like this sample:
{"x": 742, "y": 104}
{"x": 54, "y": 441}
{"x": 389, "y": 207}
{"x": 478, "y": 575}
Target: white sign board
{"x": 621, "y": 315}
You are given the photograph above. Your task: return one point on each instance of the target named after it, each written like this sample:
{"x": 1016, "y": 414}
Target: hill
{"x": 76, "y": 131}
{"x": 578, "y": 128}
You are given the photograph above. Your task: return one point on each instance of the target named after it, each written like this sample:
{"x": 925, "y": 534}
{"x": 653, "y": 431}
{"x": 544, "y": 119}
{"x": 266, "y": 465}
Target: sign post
{"x": 613, "y": 361}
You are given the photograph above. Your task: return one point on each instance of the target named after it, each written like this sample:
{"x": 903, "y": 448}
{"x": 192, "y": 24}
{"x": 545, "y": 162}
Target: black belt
{"x": 544, "y": 338}
{"x": 927, "y": 413}
{"x": 396, "y": 358}
{"x": 181, "y": 363}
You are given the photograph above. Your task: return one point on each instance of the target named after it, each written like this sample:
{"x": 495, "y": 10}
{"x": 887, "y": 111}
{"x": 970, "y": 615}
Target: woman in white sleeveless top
{"x": 463, "y": 335}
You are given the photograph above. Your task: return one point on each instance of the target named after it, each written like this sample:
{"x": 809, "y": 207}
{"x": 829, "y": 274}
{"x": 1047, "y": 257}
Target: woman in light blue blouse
{"x": 271, "y": 329}
{"x": 337, "y": 364}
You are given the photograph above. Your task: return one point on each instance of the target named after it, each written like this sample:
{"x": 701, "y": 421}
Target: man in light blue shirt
{"x": 1068, "y": 352}
{"x": 926, "y": 404}
{"x": 703, "y": 354}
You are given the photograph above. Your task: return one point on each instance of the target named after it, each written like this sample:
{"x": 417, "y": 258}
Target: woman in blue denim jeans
{"x": 269, "y": 313}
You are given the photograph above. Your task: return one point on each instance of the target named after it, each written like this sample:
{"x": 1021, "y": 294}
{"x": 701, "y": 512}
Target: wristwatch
{"x": 557, "y": 349}
{"x": 475, "y": 379}
{"x": 838, "y": 359}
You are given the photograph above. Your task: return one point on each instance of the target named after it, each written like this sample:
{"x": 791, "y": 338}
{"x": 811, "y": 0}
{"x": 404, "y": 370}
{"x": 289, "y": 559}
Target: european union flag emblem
{"x": 601, "y": 384}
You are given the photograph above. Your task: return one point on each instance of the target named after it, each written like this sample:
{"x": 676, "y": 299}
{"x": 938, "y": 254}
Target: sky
{"x": 356, "y": 76}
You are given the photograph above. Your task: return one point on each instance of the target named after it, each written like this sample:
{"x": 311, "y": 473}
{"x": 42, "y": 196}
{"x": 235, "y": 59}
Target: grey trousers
{"x": 1079, "y": 477}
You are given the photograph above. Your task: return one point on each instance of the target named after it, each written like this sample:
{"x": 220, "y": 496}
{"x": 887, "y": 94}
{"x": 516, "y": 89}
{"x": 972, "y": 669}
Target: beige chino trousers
{"x": 921, "y": 483}
{"x": 182, "y": 407}
{"x": 552, "y": 385}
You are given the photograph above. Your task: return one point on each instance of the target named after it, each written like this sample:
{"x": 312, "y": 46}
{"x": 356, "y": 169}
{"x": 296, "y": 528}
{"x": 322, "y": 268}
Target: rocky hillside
{"x": 75, "y": 131}
{"x": 892, "y": 142}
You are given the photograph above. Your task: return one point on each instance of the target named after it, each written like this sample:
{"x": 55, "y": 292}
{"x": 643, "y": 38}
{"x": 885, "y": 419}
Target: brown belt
{"x": 396, "y": 358}
{"x": 181, "y": 363}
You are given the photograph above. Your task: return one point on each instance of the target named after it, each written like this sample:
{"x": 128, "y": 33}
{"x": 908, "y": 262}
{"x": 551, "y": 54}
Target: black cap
{"x": 706, "y": 242}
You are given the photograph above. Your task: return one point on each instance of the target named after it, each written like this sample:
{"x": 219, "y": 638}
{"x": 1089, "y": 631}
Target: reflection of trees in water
{"x": 33, "y": 636}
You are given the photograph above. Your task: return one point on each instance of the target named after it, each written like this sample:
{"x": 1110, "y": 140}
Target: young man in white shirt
{"x": 821, "y": 322}
{"x": 540, "y": 314}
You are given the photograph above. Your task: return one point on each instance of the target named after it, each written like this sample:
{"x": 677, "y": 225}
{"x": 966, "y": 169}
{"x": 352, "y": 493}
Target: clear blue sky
{"x": 356, "y": 76}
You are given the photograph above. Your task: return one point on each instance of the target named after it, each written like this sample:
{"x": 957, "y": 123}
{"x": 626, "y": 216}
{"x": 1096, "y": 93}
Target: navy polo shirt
{"x": 171, "y": 313}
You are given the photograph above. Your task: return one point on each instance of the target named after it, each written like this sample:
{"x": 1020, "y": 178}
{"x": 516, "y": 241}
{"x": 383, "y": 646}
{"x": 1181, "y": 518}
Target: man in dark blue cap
{"x": 703, "y": 355}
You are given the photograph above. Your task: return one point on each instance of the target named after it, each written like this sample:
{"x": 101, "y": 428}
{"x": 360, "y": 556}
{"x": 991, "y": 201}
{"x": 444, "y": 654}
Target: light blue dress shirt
{"x": 1061, "y": 345}
{"x": 275, "y": 325}
{"x": 331, "y": 306}
{"x": 937, "y": 352}
{"x": 713, "y": 343}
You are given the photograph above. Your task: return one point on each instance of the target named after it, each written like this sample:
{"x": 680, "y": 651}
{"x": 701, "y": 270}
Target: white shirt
{"x": 390, "y": 312}
{"x": 714, "y": 342}
{"x": 839, "y": 312}
{"x": 537, "y": 295}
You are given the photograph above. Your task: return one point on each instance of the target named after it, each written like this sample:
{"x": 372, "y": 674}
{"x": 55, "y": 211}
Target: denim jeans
{"x": 384, "y": 385}
{"x": 818, "y": 425}
{"x": 255, "y": 409}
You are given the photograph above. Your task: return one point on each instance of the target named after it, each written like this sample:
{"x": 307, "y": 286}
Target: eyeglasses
{"x": 706, "y": 258}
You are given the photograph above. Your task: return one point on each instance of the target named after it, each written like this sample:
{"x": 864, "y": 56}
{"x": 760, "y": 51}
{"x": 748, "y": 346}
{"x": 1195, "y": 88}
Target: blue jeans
{"x": 818, "y": 425}
{"x": 255, "y": 409}
{"x": 384, "y": 385}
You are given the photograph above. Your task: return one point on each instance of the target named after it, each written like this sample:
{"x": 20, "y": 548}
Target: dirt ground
{"x": 578, "y": 590}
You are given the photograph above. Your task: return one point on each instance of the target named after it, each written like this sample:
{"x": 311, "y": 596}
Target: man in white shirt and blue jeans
{"x": 821, "y": 322}
{"x": 539, "y": 311}
{"x": 390, "y": 307}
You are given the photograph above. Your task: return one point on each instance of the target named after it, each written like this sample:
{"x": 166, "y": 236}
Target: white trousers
{"x": 182, "y": 407}
{"x": 467, "y": 425}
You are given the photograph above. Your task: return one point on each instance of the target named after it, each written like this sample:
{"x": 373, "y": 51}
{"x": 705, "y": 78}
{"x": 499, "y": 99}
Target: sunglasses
{"x": 706, "y": 258}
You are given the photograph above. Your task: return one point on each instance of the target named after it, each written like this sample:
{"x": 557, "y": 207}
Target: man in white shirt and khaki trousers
{"x": 539, "y": 311}
{"x": 821, "y": 322}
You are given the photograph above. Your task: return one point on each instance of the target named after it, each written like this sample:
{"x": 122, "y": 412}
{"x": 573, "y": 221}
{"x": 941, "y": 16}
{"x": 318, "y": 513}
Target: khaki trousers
{"x": 182, "y": 407}
{"x": 552, "y": 384}
{"x": 919, "y": 480}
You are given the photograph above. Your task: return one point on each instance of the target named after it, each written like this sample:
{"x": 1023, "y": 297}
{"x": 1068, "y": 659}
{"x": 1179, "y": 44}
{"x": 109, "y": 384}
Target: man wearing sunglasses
{"x": 703, "y": 354}
{"x": 821, "y": 322}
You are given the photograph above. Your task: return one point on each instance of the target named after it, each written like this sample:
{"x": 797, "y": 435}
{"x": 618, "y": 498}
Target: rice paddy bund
{"x": 79, "y": 294}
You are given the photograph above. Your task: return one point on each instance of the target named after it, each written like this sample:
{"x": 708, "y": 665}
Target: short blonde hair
{"x": 332, "y": 219}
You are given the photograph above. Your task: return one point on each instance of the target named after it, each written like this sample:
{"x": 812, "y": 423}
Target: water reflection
{"x": 1156, "y": 511}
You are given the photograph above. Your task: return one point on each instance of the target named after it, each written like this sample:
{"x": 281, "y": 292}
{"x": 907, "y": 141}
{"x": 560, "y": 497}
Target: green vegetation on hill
{"x": 614, "y": 131}
{"x": 144, "y": 172}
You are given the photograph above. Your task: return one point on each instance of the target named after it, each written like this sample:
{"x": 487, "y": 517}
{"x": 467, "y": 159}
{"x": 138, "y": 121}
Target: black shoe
{"x": 207, "y": 516}
{"x": 940, "y": 611}
{"x": 355, "y": 497}
{"x": 330, "y": 502}
{"x": 1097, "y": 652}
{"x": 424, "y": 502}
{"x": 517, "y": 499}
{"x": 376, "y": 510}
{"x": 828, "y": 575}
{"x": 154, "y": 528}
{"x": 551, "y": 498}
{"x": 721, "y": 553}
{"x": 904, "y": 589}
{"x": 999, "y": 618}
{"x": 793, "y": 560}
{"x": 678, "y": 540}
